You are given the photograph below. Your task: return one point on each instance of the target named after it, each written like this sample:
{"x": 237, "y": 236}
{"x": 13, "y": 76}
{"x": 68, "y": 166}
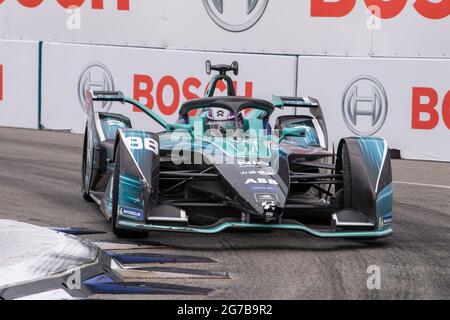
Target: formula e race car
{"x": 222, "y": 165}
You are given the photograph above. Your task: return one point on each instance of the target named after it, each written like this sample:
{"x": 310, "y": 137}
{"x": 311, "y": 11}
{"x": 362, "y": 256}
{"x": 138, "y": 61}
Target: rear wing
{"x": 295, "y": 102}
{"x": 118, "y": 96}
{"x": 303, "y": 102}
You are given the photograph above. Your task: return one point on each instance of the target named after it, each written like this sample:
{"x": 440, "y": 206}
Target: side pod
{"x": 371, "y": 180}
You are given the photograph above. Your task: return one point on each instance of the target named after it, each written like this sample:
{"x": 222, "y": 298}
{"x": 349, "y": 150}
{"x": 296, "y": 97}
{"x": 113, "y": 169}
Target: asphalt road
{"x": 39, "y": 184}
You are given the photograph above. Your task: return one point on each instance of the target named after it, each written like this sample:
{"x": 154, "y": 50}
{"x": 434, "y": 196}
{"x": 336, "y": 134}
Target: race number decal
{"x": 138, "y": 143}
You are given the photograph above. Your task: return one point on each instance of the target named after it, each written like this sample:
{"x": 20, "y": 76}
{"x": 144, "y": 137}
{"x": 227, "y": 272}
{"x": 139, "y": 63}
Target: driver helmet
{"x": 220, "y": 120}
{"x": 220, "y": 114}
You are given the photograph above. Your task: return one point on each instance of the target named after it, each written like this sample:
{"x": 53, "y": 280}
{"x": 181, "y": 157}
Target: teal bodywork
{"x": 130, "y": 196}
{"x": 235, "y": 159}
{"x": 384, "y": 207}
{"x": 374, "y": 151}
{"x": 255, "y": 226}
{"x": 371, "y": 179}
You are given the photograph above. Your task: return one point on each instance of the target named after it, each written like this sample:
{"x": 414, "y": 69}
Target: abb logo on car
{"x": 425, "y": 102}
{"x": 152, "y": 93}
{"x": 95, "y": 4}
{"x": 386, "y": 9}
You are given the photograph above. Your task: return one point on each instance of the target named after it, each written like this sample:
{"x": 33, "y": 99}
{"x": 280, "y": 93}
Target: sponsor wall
{"x": 406, "y": 101}
{"x": 161, "y": 79}
{"x": 314, "y": 27}
{"x": 120, "y": 22}
{"x": 401, "y": 48}
{"x": 19, "y": 84}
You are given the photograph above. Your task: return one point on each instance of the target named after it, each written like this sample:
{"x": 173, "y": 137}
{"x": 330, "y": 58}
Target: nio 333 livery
{"x": 223, "y": 166}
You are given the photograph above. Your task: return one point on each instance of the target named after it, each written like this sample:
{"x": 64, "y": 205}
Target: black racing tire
{"x": 347, "y": 178}
{"x": 87, "y": 197}
{"x": 118, "y": 232}
{"x": 85, "y": 193}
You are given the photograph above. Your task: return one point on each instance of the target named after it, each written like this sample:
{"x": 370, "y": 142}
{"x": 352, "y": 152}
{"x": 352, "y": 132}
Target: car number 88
{"x": 137, "y": 143}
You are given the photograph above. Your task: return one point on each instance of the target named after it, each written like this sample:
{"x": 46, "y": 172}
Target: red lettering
{"x": 188, "y": 94}
{"x": 143, "y": 86}
{"x": 168, "y": 81}
{"x": 433, "y": 10}
{"x": 248, "y": 93}
{"x": 1, "y": 82}
{"x": 248, "y": 89}
{"x": 388, "y": 9}
{"x": 221, "y": 86}
{"x": 323, "y": 8}
{"x": 446, "y": 110}
{"x": 145, "y": 92}
{"x": 121, "y": 4}
{"x": 96, "y": 4}
{"x": 188, "y": 83}
{"x": 30, "y": 3}
{"x": 70, "y": 3}
{"x": 235, "y": 85}
{"x": 429, "y": 108}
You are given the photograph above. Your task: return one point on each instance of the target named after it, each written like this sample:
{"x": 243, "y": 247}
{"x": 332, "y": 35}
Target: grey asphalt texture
{"x": 40, "y": 184}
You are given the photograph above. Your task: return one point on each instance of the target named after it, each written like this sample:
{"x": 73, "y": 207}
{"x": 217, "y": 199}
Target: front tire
{"x": 347, "y": 178}
{"x": 120, "y": 233}
{"x": 84, "y": 189}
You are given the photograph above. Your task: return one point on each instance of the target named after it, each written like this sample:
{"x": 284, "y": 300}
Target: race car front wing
{"x": 229, "y": 223}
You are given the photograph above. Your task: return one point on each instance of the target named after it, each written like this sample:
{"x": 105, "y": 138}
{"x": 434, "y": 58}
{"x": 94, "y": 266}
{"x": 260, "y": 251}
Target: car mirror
{"x": 292, "y": 132}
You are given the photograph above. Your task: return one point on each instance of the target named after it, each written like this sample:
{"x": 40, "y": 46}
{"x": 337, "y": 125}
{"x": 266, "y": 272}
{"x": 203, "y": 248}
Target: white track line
{"x": 423, "y": 184}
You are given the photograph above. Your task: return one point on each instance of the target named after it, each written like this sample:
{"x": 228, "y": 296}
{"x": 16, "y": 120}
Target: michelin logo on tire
{"x": 133, "y": 213}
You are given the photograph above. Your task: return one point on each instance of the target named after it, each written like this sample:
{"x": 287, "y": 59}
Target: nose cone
{"x": 272, "y": 211}
{"x": 256, "y": 186}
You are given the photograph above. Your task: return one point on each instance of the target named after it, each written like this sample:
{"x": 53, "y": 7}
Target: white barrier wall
{"x": 129, "y": 22}
{"x": 161, "y": 79}
{"x": 406, "y": 101}
{"x": 415, "y": 28}
{"x": 19, "y": 84}
{"x": 313, "y": 27}
{"x": 407, "y": 41}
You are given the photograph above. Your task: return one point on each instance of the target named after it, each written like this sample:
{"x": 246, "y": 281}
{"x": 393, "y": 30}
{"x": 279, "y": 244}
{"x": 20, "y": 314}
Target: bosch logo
{"x": 167, "y": 93}
{"x": 66, "y": 4}
{"x": 428, "y": 109}
{"x": 365, "y": 105}
{"x": 95, "y": 76}
{"x": 235, "y": 16}
{"x": 386, "y": 9}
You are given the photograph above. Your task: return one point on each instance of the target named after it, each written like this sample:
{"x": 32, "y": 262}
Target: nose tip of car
{"x": 272, "y": 212}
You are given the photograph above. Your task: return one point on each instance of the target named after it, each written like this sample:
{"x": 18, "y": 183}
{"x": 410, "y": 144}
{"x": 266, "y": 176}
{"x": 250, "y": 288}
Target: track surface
{"x": 39, "y": 184}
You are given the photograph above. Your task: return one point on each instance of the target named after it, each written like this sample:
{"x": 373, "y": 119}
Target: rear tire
{"x": 118, "y": 232}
